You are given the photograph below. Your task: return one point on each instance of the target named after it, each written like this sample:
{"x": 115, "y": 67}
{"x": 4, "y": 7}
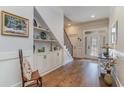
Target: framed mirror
{"x": 114, "y": 33}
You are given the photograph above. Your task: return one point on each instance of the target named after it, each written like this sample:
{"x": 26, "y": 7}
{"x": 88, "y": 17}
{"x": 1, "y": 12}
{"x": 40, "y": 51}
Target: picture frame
{"x": 114, "y": 33}
{"x": 13, "y": 25}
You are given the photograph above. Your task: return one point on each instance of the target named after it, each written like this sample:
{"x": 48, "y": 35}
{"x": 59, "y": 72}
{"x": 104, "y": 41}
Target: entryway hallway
{"x": 79, "y": 73}
{"x": 56, "y": 35}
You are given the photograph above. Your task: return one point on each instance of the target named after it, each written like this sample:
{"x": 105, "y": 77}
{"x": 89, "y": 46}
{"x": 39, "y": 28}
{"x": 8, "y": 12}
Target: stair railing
{"x": 68, "y": 43}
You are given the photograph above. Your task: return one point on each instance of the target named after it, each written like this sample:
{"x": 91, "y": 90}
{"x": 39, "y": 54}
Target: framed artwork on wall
{"x": 114, "y": 33}
{"x": 14, "y": 25}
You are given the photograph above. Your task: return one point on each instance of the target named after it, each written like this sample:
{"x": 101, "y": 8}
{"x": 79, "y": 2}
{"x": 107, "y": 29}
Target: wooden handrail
{"x": 70, "y": 44}
{"x": 68, "y": 38}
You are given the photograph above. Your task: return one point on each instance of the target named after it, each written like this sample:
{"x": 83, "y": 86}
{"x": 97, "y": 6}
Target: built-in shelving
{"x": 47, "y": 44}
{"x": 46, "y": 47}
{"x": 40, "y": 40}
{"x": 41, "y": 29}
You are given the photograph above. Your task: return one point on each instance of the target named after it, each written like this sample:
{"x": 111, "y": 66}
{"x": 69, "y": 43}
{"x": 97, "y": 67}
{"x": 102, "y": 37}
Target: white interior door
{"x": 87, "y": 45}
{"x": 91, "y": 46}
{"x": 94, "y": 41}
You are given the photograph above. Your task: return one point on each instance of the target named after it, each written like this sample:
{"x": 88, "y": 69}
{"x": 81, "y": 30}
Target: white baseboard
{"x": 10, "y": 67}
{"x": 118, "y": 83}
{"x": 68, "y": 61}
{"x": 16, "y": 85}
{"x": 42, "y": 74}
{"x": 19, "y": 83}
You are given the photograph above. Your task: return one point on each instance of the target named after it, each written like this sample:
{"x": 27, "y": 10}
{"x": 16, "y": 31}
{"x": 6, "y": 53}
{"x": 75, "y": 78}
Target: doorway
{"x": 94, "y": 41}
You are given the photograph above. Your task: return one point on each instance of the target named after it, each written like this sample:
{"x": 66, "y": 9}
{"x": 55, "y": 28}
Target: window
{"x": 114, "y": 33}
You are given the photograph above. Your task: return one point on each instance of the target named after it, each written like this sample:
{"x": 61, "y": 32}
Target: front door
{"x": 93, "y": 43}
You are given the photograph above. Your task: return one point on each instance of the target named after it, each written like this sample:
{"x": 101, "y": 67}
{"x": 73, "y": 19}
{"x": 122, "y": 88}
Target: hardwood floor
{"x": 75, "y": 74}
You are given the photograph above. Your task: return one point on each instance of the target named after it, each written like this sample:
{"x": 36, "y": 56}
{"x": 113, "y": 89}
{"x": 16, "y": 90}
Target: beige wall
{"x": 77, "y": 30}
{"x": 9, "y": 45}
{"x": 117, "y": 14}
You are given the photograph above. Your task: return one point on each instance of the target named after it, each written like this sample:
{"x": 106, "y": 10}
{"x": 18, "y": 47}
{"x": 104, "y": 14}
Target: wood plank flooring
{"x": 76, "y": 74}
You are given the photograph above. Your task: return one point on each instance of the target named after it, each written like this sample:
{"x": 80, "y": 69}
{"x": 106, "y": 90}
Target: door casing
{"x": 102, "y": 33}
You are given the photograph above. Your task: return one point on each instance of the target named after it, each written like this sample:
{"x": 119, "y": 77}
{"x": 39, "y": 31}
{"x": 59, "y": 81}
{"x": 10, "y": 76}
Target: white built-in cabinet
{"x": 52, "y": 56}
{"x": 47, "y": 62}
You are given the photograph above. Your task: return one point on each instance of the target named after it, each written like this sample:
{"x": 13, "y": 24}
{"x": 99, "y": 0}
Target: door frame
{"x": 89, "y": 37}
{"x": 96, "y": 30}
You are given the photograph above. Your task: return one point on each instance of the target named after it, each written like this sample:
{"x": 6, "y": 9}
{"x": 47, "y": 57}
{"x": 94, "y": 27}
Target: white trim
{"x": 16, "y": 85}
{"x": 8, "y": 58}
{"x": 97, "y": 29}
{"x": 118, "y": 83}
{"x": 120, "y": 56}
{"x": 68, "y": 61}
{"x": 69, "y": 55}
{"x": 66, "y": 50}
{"x": 42, "y": 74}
{"x": 14, "y": 55}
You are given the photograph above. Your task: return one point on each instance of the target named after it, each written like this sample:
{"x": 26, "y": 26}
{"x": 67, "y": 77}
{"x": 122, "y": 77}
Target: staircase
{"x": 68, "y": 49}
{"x": 67, "y": 44}
{"x": 54, "y": 18}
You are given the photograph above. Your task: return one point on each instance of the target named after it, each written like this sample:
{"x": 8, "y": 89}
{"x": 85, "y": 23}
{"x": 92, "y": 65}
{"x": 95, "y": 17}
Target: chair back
{"x": 21, "y": 65}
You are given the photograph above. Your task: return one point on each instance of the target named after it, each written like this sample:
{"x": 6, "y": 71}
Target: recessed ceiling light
{"x": 92, "y": 16}
{"x": 69, "y": 24}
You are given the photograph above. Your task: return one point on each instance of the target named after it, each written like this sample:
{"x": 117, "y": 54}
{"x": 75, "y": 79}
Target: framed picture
{"x": 114, "y": 33}
{"x": 14, "y": 25}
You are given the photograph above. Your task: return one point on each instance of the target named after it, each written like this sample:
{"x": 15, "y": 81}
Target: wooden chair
{"x": 35, "y": 80}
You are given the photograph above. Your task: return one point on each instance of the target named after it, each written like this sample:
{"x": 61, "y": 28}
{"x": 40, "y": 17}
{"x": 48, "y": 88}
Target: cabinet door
{"x": 57, "y": 58}
{"x": 42, "y": 63}
{"x": 45, "y": 63}
{"x": 60, "y": 57}
{"x": 52, "y": 60}
{"x": 49, "y": 62}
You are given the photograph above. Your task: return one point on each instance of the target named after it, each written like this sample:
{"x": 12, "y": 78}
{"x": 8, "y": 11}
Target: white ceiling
{"x": 83, "y": 13}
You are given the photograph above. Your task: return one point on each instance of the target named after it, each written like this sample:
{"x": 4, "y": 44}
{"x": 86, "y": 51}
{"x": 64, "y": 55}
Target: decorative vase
{"x": 43, "y": 35}
{"x": 108, "y": 78}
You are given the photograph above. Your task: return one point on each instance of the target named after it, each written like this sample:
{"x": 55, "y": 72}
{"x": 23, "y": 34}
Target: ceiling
{"x": 77, "y": 14}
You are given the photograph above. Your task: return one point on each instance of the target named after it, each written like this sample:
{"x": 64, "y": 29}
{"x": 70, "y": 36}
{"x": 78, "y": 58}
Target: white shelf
{"x": 41, "y": 29}
{"x": 45, "y": 53}
{"x": 40, "y": 40}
